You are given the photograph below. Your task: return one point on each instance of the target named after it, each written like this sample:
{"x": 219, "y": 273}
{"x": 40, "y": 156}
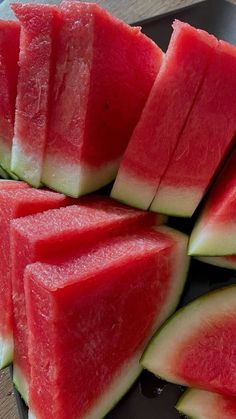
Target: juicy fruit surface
{"x": 59, "y": 232}
{"x": 164, "y": 115}
{"x": 9, "y": 53}
{"x": 201, "y": 404}
{"x": 203, "y": 338}
{"x": 214, "y": 232}
{"x": 114, "y": 291}
{"x": 98, "y": 94}
{"x": 16, "y": 200}
{"x": 210, "y": 127}
{"x": 37, "y": 22}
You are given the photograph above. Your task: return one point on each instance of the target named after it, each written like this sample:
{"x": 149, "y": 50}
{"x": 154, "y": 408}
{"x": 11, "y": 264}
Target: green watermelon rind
{"x": 180, "y": 405}
{"x": 181, "y": 317}
{"x": 6, "y": 352}
{"x": 20, "y": 384}
{"x": 219, "y": 261}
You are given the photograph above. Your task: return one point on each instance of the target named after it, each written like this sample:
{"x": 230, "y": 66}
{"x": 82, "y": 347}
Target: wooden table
{"x": 130, "y": 11}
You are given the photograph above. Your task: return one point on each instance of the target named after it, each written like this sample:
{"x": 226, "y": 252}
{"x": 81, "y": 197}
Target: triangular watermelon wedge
{"x": 228, "y": 262}
{"x": 104, "y": 71}
{"x": 205, "y": 141}
{"x": 215, "y": 231}
{"x": 196, "y": 346}
{"x": 200, "y": 404}
{"x": 164, "y": 116}
{"x": 121, "y": 290}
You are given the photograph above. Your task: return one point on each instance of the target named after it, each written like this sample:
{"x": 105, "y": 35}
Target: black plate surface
{"x": 151, "y": 398}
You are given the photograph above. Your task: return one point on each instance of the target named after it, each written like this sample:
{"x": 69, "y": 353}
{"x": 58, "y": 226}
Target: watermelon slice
{"x": 200, "y": 404}
{"x": 7, "y": 13}
{"x": 37, "y": 23}
{"x": 157, "y": 133}
{"x": 221, "y": 261}
{"x": 59, "y": 232}
{"x": 215, "y": 231}
{"x": 196, "y": 347}
{"x": 205, "y": 141}
{"x": 104, "y": 70}
{"x": 9, "y": 55}
{"x": 15, "y": 203}
{"x": 120, "y": 291}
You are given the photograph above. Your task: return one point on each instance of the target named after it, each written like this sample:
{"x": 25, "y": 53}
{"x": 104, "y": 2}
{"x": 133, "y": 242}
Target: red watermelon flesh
{"x": 9, "y": 55}
{"x": 228, "y": 262}
{"x": 201, "y": 404}
{"x": 205, "y": 141}
{"x": 157, "y": 133}
{"x": 37, "y": 23}
{"x": 215, "y": 231}
{"x": 16, "y": 203}
{"x": 120, "y": 291}
{"x": 196, "y": 346}
{"x": 104, "y": 70}
{"x": 60, "y": 232}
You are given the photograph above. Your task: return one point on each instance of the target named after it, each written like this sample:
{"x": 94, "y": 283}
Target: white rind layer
{"x": 21, "y": 383}
{"x": 25, "y": 164}
{"x": 220, "y": 261}
{"x": 179, "y": 202}
{"x": 212, "y": 239}
{"x": 132, "y": 190}
{"x": 201, "y": 404}
{"x": 6, "y": 351}
{"x": 165, "y": 347}
{"x": 76, "y": 179}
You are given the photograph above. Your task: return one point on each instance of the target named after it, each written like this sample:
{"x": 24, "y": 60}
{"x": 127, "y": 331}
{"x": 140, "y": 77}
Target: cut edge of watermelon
{"x": 176, "y": 201}
{"x": 120, "y": 385}
{"x": 21, "y": 383}
{"x": 132, "y": 190}
{"x": 5, "y": 155}
{"x": 220, "y": 261}
{"x": 25, "y": 166}
{"x": 159, "y": 354}
{"x": 3, "y": 174}
{"x": 180, "y": 271}
{"x": 76, "y": 179}
{"x": 194, "y": 403}
{"x": 6, "y": 351}
{"x": 212, "y": 239}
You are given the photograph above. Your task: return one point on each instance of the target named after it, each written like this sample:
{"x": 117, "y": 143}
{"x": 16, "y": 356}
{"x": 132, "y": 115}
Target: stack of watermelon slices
{"x": 188, "y": 115}
{"x": 84, "y": 78}
{"x": 98, "y": 261}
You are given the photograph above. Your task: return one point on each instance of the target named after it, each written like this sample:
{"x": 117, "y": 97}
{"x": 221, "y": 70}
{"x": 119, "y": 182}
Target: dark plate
{"x": 151, "y": 398}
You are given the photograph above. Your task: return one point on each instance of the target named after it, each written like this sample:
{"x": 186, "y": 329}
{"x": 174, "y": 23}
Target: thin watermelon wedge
{"x": 157, "y": 133}
{"x": 228, "y": 262}
{"x": 214, "y": 233}
{"x": 205, "y": 141}
{"x": 58, "y": 232}
{"x": 9, "y": 69}
{"x": 121, "y": 290}
{"x": 196, "y": 346}
{"x": 16, "y": 200}
{"x": 104, "y": 71}
{"x": 37, "y": 27}
{"x": 200, "y": 404}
